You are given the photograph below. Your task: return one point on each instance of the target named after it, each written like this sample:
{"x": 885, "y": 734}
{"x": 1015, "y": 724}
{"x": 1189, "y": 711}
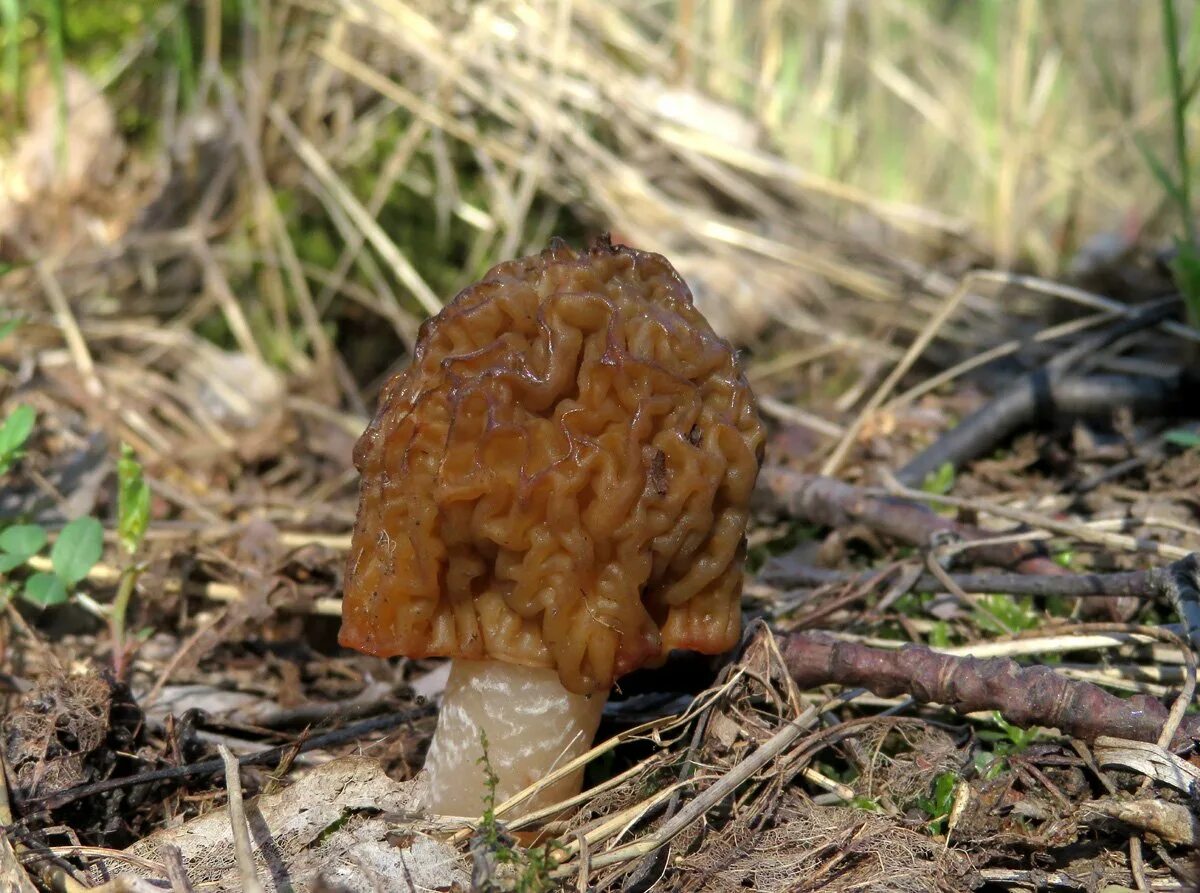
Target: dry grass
{"x": 810, "y": 168}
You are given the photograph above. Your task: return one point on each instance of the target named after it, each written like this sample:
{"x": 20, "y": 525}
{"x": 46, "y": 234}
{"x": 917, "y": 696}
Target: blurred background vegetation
{"x": 327, "y": 171}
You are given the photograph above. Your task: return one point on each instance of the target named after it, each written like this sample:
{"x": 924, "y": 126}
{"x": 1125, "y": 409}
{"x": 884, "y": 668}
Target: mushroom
{"x": 553, "y": 494}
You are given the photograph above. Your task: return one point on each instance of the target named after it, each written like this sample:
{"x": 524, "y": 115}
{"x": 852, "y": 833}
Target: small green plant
{"x": 1065, "y": 558}
{"x": 940, "y": 635}
{"x": 913, "y": 604}
{"x": 74, "y": 553}
{"x": 13, "y": 434}
{"x": 1004, "y": 614}
{"x": 133, "y": 518}
{"x": 79, "y": 545}
{"x": 939, "y": 802}
{"x": 531, "y": 867}
{"x": 1005, "y": 742}
{"x": 939, "y": 482}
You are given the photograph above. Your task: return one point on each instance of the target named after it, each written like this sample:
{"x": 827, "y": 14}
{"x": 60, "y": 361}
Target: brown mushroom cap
{"x": 561, "y": 478}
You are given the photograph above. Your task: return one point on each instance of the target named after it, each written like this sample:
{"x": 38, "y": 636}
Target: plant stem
{"x": 56, "y": 31}
{"x": 10, "y": 16}
{"x": 1179, "y": 101}
{"x": 116, "y": 620}
{"x": 181, "y": 50}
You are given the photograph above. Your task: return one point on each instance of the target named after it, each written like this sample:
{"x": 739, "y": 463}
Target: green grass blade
{"x": 10, "y": 18}
{"x": 1178, "y": 118}
{"x": 179, "y": 46}
{"x": 56, "y": 31}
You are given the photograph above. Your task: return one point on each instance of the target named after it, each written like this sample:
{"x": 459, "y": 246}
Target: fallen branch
{"x": 1033, "y": 400}
{"x": 831, "y": 503}
{"x": 1149, "y": 583}
{"x": 1048, "y": 394}
{"x": 1024, "y": 696}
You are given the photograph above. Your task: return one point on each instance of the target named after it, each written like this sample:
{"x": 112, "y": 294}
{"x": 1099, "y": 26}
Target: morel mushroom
{"x": 555, "y": 493}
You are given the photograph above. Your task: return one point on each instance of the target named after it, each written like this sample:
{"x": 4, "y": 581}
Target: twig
{"x": 1131, "y": 584}
{"x": 639, "y": 877}
{"x": 831, "y": 503}
{"x": 1083, "y": 532}
{"x": 61, "y": 882}
{"x": 1179, "y": 584}
{"x": 6, "y": 816}
{"x": 1033, "y": 879}
{"x": 931, "y": 328}
{"x": 773, "y": 747}
{"x": 1025, "y": 696}
{"x": 1084, "y": 298}
{"x": 237, "y": 818}
{"x": 793, "y": 415}
{"x": 106, "y": 575}
{"x": 861, "y": 587}
{"x": 1008, "y": 348}
{"x": 1047, "y": 393}
{"x": 1033, "y": 398}
{"x": 1137, "y": 867}
{"x": 1065, "y": 641}
{"x": 172, "y": 858}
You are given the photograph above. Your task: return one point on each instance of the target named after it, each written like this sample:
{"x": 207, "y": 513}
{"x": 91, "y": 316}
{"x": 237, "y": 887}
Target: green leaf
{"x": 1018, "y": 737}
{"x": 10, "y": 562}
{"x": 13, "y": 434}
{"x": 1015, "y": 613}
{"x": 1182, "y": 437}
{"x": 133, "y": 501}
{"x": 943, "y": 792}
{"x": 44, "y": 589}
{"x": 939, "y": 634}
{"x": 1159, "y": 170}
{"x": 22, "y": 540}
{"x": 984, "y": 761}
{"x": 1064, "y": 558}
{"x": 1185, "y": 269}
{"x": 941, "y": 481}
{"x": 9, "y": 326}
{"x": 77, "y": 549}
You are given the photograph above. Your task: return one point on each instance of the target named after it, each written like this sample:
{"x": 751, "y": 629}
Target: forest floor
{"x": 999, "y": 469}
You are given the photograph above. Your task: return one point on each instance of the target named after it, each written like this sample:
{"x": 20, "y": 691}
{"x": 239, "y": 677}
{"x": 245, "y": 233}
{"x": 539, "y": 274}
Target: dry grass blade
{"x": 949, "y": 305}
{"x": 1081, "y": 532}
{"x": 354, "y": 209}
{"x": 237, "y": 819}
{"x": 76, "y": 343}
{"x": 712, "y": 795}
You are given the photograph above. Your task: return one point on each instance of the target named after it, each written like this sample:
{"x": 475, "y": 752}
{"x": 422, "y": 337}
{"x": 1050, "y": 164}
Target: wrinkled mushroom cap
{"x": 561, "y": 478}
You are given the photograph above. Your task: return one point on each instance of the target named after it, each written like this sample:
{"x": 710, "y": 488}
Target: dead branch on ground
{"x": 1024, "y": 696}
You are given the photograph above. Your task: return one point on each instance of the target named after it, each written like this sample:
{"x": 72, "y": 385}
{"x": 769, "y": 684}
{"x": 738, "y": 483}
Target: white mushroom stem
{"x": 533, "y": 726}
